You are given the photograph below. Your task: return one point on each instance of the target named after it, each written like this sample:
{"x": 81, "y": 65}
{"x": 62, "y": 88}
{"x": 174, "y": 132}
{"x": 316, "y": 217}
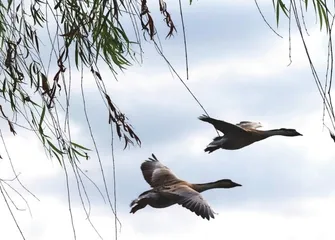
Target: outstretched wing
{"x": 249, "y": 125}
{"x": 156, "y": 174}
{"x": 224, "y": 127}
{"x": 192, "y": 200}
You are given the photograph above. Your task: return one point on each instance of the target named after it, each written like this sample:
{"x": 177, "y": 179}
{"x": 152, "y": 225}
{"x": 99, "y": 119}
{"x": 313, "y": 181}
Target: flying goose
{"x": 242, "y": 134}
{"x": 168, "y": 190}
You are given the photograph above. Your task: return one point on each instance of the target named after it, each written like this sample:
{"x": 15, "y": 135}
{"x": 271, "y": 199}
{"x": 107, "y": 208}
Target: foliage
{"x": 88, "y": 31}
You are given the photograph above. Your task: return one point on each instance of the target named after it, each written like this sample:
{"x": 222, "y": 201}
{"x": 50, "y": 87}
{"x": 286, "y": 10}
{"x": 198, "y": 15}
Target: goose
{"x": 242, "y": 134}
{"x": 168, "y": 190}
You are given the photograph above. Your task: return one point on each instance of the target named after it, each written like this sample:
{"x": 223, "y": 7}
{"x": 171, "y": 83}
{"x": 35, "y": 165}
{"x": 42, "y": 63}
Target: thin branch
{"x": 184, "y": 37}
{"x": 303, "y": 17}
{"x": 181, "y": 80}
{"x": 11, "y": 212}
{"x": 290, "y": 36}
{"x": 80, "y": 183}
{"x": 69, "y": 199}
{"x": 94, "y": 184}
{"x": 18, "y": 193}
{"x": 114, "y": 183}
{"x": 12, "y": 166}
{"x": 95, "y": 146}
{"x": 264, "y": 19}
{"x": 11, "y": 200}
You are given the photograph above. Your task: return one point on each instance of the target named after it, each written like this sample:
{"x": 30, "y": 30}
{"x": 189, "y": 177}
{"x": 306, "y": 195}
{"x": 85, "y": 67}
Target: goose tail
{"x": 215, "y": 144}
{"x": 133, "y": 202}
{"x": 211, "y": 149}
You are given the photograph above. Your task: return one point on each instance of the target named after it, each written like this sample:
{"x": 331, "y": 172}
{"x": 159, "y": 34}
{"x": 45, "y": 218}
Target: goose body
{"x": 168, "y": 190}
{"x": 242, "y": 134}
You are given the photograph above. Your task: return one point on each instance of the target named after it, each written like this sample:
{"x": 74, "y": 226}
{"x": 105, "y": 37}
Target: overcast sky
{"x": 238, "y": 70}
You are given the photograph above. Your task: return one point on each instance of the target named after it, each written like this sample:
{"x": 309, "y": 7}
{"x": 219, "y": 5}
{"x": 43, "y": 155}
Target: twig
{"x": 96, "y": 147}
{"x": 184, "y": 37}
{"x": 260, "y": 11}
{"x": 12, "y": 166}
{"x": 11, "y": 212}
{"x": 181, "y": 80}
{"x": 114, "y": 183}
{"x": 289, "y": 36}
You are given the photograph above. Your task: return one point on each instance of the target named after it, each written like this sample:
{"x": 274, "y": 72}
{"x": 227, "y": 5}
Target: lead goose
{"x": 242, "y": 134}
{"x": 168, "y": 190}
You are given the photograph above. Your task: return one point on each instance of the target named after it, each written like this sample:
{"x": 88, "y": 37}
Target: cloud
{"x": 309, "y": 219}
{"x": 262, "y": 225}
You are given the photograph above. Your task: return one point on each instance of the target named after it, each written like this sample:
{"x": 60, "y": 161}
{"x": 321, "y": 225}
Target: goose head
{"x": 290, "y": 132}
{"x": 226, "y": 183}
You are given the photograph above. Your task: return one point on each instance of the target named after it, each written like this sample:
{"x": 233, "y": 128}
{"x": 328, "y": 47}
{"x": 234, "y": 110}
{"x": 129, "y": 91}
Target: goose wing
{"x": 249, "y": 125}
{"x": 224, "y": 127}
{"x": 156, "y": 174}
{"x": 192, "y": 200}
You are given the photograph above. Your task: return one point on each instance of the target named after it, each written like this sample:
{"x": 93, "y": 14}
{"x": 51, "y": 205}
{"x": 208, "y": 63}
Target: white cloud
{"x": 314, "y": 220}
{"x": 229, "y": 223}
{"x": 265, "y": 67}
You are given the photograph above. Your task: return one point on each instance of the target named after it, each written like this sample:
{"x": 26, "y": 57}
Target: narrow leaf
{"x": 54, "y": 148}
{"x": 79, "y": 146}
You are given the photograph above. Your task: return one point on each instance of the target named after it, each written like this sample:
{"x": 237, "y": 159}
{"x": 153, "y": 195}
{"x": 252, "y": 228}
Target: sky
{"x": 238, "y": 71}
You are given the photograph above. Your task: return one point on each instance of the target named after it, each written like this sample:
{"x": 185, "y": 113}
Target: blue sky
{"x": 238, "y": 70}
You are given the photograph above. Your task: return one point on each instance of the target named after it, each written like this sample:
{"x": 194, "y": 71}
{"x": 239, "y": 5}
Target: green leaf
{"x": 4, "y": 88}
{"x": 320, "y": 14}
{"x": 280, "y": 6}
{"x": 41, "y": 120}
{"x": 283, "y": 7}
{"x": 79, "y": 153}
{"x": 322, "y": 8}
{"x": 36, "y": 42}
{"x": 34, "y": 103}
{"x": 79, "y": 146}
{"x": 56, "y": 155}
{"x": 33, "y": 118}
{"x": 11, "y": 98}
{"x": 277, "y": 13}
{"x": 314, "y": 6}
{"x": 54, "y": 148}
{"x": 76, "y": 54}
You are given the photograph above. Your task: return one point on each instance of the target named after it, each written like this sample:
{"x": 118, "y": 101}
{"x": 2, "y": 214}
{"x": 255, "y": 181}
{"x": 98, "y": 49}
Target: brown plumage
{"x": 242, "y": 134}
{"x": 168, "y": 190}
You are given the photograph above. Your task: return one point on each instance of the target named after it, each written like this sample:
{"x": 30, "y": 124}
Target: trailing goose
{"x": 242, "y": 134}
{"x": 168, "y": 190}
